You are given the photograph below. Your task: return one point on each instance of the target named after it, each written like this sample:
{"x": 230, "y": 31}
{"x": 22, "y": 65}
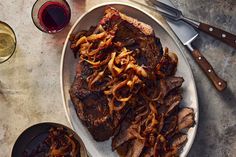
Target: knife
{"x": 187, "y": 34}
{"x": 176, "y": 15}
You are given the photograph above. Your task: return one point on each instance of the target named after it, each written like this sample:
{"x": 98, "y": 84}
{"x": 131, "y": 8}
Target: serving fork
{"x": 176, "y": 15}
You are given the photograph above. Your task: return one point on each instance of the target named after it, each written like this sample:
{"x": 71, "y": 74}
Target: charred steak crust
{"x": 149, "y": 46}
{"x": 91, "y": 106}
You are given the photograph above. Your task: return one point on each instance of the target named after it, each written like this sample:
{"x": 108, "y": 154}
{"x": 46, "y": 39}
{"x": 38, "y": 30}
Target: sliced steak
{"x": 136, "y": 148}
{"x": 179, "y": 140}
{"x": 167, "y": 85}
{"x": 147, "y": 152}
{"x": 172, "y": 102}
{"x": 185, "y": 118}
{"x": 124, "y": 134}
{"x": 92, "y": 107}
{"x": 148, "y": 47}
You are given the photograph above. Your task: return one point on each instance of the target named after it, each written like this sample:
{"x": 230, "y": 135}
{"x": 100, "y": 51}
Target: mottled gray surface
{"x": 30, "y": 89}
{"x": 216, "y": 136}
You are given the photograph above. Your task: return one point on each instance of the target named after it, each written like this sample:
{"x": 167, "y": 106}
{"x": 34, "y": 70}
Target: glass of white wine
{"x": 7, "y": 42}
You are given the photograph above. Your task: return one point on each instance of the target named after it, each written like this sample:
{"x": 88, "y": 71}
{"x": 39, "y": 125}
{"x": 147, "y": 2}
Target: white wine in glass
{"x": 7, "y": 42}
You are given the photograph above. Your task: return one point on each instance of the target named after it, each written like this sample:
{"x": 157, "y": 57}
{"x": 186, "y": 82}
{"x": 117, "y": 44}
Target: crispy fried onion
{"x": 62, "y": 143}
{"x": 126, "y": 61}
{"x": 149, "y": 124}
{"x": 91, "y": 47}
{"x": 118, "y": 64}
{"x": 167, "y": 65}
{"x": 113, "y": 107}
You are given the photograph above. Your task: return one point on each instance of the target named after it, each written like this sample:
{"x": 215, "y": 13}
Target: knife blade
{"x": 187, "y": 34}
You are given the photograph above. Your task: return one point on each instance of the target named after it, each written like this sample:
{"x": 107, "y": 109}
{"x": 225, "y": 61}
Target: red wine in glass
{"x": 52, "y": 16}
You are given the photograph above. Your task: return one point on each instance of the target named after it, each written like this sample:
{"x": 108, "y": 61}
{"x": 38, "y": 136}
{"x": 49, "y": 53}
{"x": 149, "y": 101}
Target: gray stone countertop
{"x": 30, "y": 80}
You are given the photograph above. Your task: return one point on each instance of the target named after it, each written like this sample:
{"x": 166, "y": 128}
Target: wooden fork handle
{"x": 222, "y": 35}
{"x": 219, "y": 83}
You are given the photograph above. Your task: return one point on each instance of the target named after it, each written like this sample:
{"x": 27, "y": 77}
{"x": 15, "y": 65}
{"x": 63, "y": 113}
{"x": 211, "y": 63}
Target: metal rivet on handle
{"x": 219, "y": 83}
{"x": 223, "y": 35}
{"x": 209, "y": 70}
{"x": 199, "y": 58}
{"x": 210, "y": 29}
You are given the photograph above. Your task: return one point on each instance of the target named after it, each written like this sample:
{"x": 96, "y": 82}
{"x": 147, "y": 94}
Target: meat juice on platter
{"x": 54, "y": 16}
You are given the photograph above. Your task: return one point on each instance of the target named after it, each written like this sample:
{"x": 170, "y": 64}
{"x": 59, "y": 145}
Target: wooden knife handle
{"x": 223, "y": 36}
{"x": 219, "y": 83}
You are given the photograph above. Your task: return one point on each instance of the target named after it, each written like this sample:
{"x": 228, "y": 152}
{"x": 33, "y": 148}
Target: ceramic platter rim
{"x": 73, "y": 121}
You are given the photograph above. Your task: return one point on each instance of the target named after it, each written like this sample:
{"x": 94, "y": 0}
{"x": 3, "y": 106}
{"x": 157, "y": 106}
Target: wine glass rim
{"x": 42, "y": 30}
{"x": 15, "y": 41}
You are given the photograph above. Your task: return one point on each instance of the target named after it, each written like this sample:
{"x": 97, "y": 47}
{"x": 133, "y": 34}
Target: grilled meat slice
{"x": 130, "y": 126}
{"x": 185, "y": 118}
{"x": 167, "y": 85}
{"x": 139, "y": 36}
{"x": 172, "y": 102}
{"x": 147, "y": 152}
{"x": 135, "y": 148}
{"x": 179, "y": 140}
{"x": 113, "y": 16}
{"x": 91, "y": 106}
{"x": 124, "y": 133}
{"x": 176, "y": 144}
{"x": 148, "y": 53}
{"x": 167, "y": 65}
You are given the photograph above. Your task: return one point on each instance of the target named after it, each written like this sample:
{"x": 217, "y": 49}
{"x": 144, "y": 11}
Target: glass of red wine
{"x": 51, "y": 16}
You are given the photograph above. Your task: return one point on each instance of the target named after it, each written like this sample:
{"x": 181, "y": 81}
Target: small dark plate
{"x": 35, "y": 134}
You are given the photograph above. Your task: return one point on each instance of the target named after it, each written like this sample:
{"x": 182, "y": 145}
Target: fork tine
{"x": 165, "y": 6}
{"x": 166, "y": 14}
{"x": 170, "y": 16}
